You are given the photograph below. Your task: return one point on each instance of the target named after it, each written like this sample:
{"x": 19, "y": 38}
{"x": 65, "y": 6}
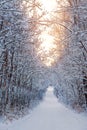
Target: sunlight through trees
{"x": 42, "y": 43}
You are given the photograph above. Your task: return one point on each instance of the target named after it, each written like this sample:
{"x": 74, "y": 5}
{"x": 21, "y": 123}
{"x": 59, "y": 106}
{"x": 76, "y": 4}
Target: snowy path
{"x": 49, "y": 115}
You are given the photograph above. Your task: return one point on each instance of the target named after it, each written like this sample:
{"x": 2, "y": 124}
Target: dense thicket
{"x": 72, "y": 69}
{"x": 23, "y": 77}
{"x": 17, "y": 57}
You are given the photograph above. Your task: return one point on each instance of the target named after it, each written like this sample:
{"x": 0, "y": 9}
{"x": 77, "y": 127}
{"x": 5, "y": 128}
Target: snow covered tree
{"x": 72, "y": 69}
{"x": 17, "y": 56}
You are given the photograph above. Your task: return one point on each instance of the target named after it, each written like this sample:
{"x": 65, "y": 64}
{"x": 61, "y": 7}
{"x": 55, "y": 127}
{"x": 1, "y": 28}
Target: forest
{"x": 41, "y": 46}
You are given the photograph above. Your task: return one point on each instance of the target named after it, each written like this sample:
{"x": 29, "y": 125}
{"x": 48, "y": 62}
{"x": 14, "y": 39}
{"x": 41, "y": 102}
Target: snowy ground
{"x": 49, "y": 115}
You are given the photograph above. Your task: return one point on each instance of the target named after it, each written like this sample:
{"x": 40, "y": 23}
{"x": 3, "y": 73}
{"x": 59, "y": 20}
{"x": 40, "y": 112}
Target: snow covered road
{"x": 49, "y": 115}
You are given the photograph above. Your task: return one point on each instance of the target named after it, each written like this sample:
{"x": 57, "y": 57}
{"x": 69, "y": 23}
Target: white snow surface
{"x": 49, "y": 115}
